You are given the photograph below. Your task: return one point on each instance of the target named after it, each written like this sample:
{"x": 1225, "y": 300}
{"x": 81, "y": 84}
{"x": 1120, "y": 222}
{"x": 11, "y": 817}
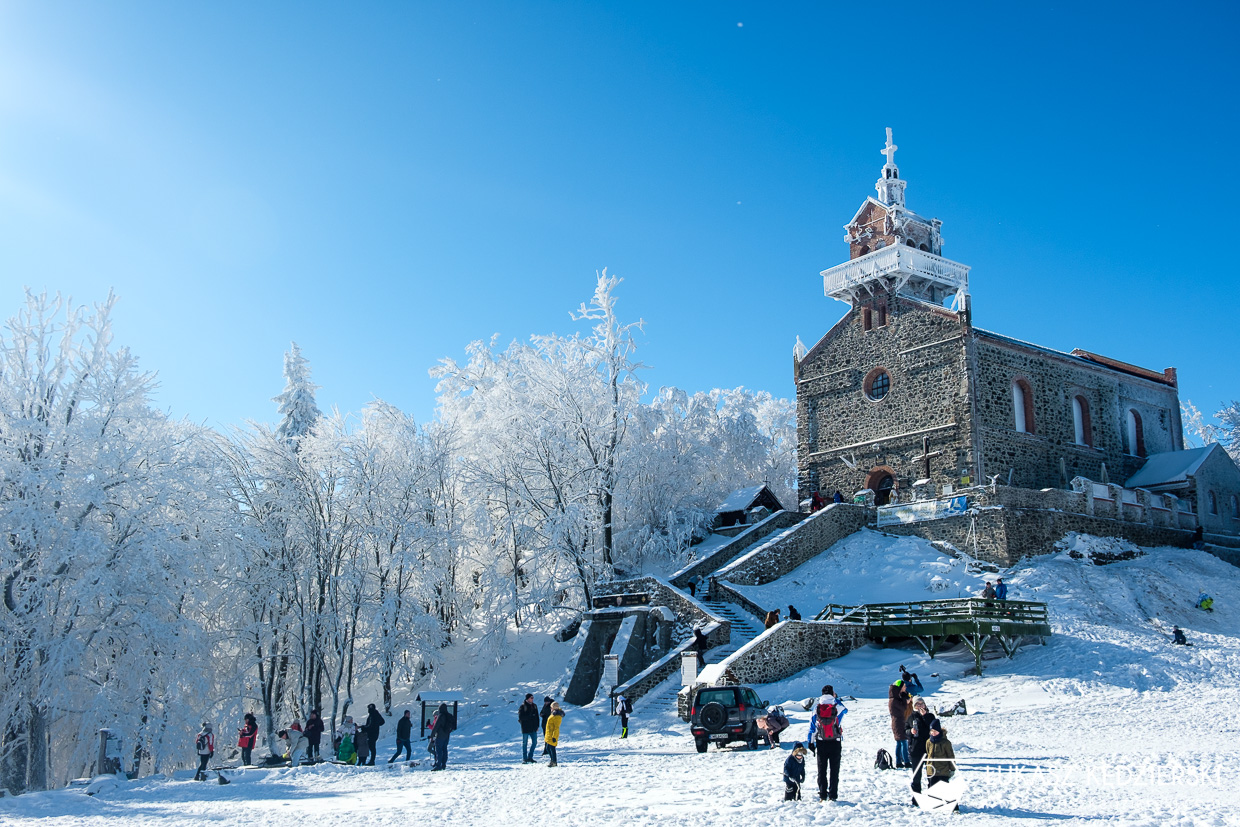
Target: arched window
{"x": 866, "y": 319}
{"x": 1022, "y": 406}
{"x": 1213, "y": 503}
{"x": 910, "y": 242}
{"x": 1136, "y": 436}
{"x": 1082, "y": 429}
{"x": 882, "y": 315}
{"x": 924, "y": 248}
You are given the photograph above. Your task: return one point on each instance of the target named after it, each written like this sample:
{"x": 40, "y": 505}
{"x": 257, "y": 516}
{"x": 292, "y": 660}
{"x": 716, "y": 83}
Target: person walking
{"x": 246, "y": 736}
{"x": 693, "y": 584}
{"x": 204, "y": 745}
{"x": 793, "y": 614}
{"x": 404, "y": 736}
{"x": 1000, "y": 589}
{"x": 898, "y": 709}
{"x": 553, "y": 732}
{"x": 527, "y": 717}
{"x": 794, "y": 773}
{"x": 374, "y": 723}
{"x": 624, "y": 708}
{"x": 826, "y": 741}
{"x": 919, "y": 724}
{"x": 445, "y": 725}
{"x": 772, "y": 618}
{"x": 700, "y": 645}
{"x": 314, "y": 735}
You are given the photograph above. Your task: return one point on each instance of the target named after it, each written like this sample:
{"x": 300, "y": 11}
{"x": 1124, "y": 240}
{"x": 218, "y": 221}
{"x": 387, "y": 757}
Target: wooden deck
{"x": 974, "y": 620}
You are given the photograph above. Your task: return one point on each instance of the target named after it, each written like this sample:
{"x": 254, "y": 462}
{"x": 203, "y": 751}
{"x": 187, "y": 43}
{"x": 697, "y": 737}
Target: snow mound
{"x": 1097, "y": 550}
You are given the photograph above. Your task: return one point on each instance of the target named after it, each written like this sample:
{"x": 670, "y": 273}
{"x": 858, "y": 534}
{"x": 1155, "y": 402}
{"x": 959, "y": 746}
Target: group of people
{"x": 817, "y": 502}
{"x": 530, "y": 719}
{"x": 826, "y": 740}
{"x": 995, "y": 591}
{"x": 918, "y": 735}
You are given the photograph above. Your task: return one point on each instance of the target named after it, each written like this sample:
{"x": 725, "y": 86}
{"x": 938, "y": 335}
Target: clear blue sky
{"x": 385, "y": 182}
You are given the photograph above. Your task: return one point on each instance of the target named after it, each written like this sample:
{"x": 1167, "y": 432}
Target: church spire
{"x": 890, "y": 186}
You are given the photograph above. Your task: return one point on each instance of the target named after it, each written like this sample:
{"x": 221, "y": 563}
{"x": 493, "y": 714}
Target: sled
{"x": 943, "y": 796}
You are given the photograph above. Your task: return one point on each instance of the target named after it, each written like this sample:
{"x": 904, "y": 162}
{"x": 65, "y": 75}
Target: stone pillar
{"x": 1143, "y": 498}
{"x": 688, "y": 668}
{"x": 108, "y": 761}
{"x": 1117, "y": 496}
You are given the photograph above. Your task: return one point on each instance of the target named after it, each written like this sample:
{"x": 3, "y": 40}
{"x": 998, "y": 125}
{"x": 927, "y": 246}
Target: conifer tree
{"x": 298, "y": 411}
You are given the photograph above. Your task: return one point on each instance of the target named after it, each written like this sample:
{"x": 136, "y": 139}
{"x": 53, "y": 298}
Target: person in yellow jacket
{"x": 551, "y": 737}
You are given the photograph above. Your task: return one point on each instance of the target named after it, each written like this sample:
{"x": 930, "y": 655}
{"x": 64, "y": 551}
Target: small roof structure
{"x": 440, "y": 697}
{"x": 742, "y": 499}
{"x": 1171, "y": 468}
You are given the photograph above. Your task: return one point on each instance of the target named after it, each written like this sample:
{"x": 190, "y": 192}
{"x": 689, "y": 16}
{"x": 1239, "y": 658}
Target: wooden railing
{"x": 940, "y": 616}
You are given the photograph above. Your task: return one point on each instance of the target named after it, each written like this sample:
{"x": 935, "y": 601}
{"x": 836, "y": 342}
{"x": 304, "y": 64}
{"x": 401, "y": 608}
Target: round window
{"x": 877, "y": 384}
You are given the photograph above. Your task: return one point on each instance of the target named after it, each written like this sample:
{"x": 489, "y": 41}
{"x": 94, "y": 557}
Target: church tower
{"x": 894, "y": 250}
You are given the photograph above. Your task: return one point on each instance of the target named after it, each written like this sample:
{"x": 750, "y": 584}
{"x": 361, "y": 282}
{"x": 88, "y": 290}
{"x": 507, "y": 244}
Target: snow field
{"x": 1106, "y": 722}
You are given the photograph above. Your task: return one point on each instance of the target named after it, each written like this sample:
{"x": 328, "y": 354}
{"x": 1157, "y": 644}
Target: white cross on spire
{"x": 889, "y": 150}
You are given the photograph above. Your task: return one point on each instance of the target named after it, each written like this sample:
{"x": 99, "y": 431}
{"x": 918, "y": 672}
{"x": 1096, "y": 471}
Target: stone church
{"x": 905, "y": 392}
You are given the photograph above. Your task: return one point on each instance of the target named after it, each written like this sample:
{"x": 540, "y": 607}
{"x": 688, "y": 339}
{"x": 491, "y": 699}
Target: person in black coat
{"x": 404, "y": 732}
{"x": 919, "y": 725}
{"x": 527, "y": 717}
{"x": 700, "y": 644}
{"x": 542, "y": 717}
{"x": 314, "y": 735}
{"x": 373, "y": 723}
{"x": 794, "y": 773}
{"x": 793, "y": 614}
{"x": 445, "y": 724}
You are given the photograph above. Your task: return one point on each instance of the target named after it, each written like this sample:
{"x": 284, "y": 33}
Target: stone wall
{"x": 668, "y": 665}
{"x": 811, "y": 537}
{"x": 922, "y": 350}
{"x": 1055, "y": 378}
{"x": 662, "y": 593}
{"x": 791, "y": 647}
{"x": 729, "y": 552}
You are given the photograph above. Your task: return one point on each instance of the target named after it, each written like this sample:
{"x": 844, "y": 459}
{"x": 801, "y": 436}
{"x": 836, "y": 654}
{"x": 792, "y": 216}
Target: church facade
{"x": 904, "y": 391}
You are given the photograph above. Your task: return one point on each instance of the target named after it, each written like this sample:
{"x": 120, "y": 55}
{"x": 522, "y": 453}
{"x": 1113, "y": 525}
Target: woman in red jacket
{"x": 248, "y": 734}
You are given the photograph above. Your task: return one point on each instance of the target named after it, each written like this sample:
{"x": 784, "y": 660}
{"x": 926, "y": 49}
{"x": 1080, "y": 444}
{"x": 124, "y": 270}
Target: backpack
{"x": 628, "y": 707}
{"x": 883, "y": 760}
{"x": 827, "y": 724}
{"x": 201, "y": 743}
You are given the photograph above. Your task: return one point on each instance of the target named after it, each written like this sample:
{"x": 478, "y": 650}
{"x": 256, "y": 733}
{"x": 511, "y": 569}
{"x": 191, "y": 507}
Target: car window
{"x": 751, "y": 697}
{"x": 722, "y": 696}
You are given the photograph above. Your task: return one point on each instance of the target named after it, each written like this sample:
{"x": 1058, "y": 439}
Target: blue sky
{"x": 384, "y": 183}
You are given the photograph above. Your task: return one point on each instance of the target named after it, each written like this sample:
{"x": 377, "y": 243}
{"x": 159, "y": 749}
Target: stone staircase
{"x": 744, "y": 629}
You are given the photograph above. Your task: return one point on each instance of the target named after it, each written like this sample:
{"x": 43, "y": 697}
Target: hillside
{"x": 1107, "y": 721}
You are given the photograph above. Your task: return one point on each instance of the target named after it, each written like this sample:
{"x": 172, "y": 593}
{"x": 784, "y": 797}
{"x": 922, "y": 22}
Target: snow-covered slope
{"x": 1106, "y": 722}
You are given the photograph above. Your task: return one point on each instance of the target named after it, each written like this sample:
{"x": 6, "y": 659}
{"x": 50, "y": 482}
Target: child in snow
{"x": 940, "y": 763}
{"x": 794, "y": 773}
{"x": 1177, "y": 637}
{"x": 552, "y": 736}
{"x": 347, "y": 753}
{"x": 1205, "y": 601}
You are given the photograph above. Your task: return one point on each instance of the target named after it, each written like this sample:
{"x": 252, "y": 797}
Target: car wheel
{"x": 701, "y": 743}
{"x": 713, "y": 717}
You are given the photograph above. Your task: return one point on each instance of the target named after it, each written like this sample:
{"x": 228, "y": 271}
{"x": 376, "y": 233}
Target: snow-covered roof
{"x": 741, "y": 498}
{"x": 439, "y": 697}
{"x": 1170, "y": 467}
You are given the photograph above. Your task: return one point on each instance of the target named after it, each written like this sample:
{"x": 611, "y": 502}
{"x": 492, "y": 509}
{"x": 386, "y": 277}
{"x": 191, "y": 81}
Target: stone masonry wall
{"x": 1055, "y": 380}
{"x": 777, "y": 557}
{"x": 743, "y": 541}
{"x": 791, "y": 647}
{"x": 922, "y": 350}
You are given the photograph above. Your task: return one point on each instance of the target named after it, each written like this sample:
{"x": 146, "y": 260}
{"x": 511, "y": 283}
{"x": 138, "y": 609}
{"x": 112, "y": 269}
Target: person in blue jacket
{"x": 825, "y": 738}
{"x": 1001, "y": 589}
{"x": 794, "y": 773}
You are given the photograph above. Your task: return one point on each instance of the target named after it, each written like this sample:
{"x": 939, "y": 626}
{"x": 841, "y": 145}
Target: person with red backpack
{"x": 246, "y": 736}
{"x": 826, "y": 741}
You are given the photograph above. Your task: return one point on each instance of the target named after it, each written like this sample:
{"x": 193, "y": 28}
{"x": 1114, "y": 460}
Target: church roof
{"x": 1085, "y": 356}
{"x": 1170, "y": 467}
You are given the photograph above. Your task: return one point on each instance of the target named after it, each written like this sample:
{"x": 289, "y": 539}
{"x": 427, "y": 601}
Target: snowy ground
{"x": 1107, "y": 722}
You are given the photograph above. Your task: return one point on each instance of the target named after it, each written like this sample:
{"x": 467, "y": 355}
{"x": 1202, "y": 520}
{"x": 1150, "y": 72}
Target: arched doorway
{"x": 881, "y": 480}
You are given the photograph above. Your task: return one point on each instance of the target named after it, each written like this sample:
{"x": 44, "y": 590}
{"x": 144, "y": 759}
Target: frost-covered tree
{"x": 1229, "y": 428}
{"x": 108, "y": 551}
{"x": 297, "y": 408}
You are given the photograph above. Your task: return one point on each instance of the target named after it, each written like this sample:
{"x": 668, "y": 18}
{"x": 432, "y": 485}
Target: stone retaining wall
{"x": 730, "y": 551}
{"x": 811, "y": 537}
{"x": 790, "y": 647}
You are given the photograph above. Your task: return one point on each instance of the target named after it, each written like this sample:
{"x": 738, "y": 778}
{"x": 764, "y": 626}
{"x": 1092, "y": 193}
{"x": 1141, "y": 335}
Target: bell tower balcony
{"x": 899, "y": 269}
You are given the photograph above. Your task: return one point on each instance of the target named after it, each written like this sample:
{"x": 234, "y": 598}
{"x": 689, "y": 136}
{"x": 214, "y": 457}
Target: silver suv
{"x": 723, "y": 714}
